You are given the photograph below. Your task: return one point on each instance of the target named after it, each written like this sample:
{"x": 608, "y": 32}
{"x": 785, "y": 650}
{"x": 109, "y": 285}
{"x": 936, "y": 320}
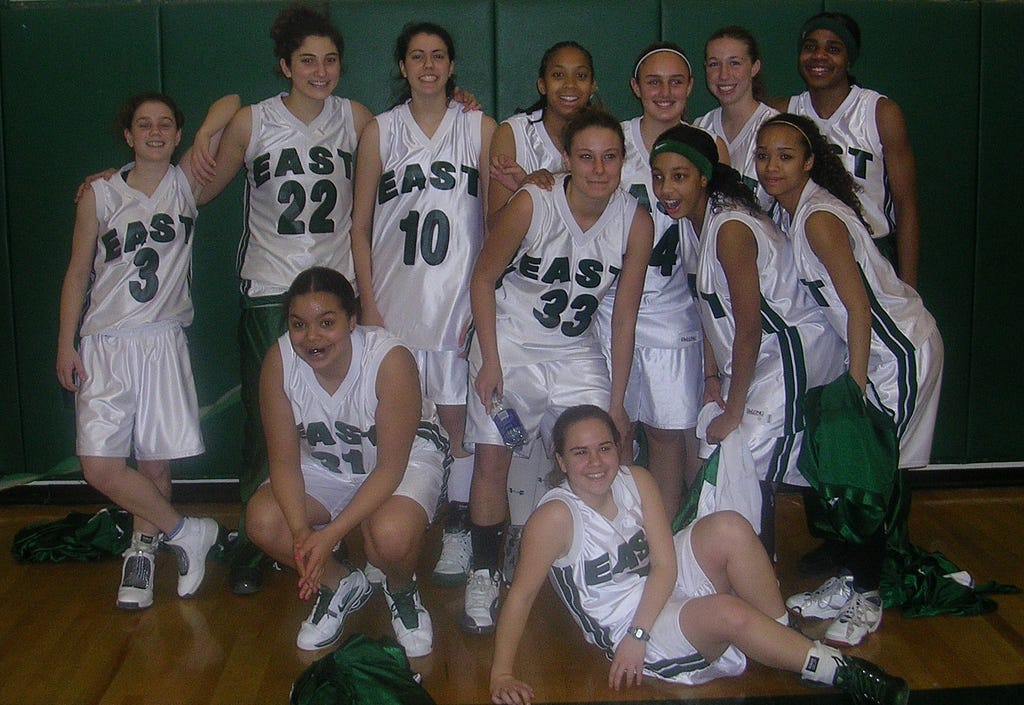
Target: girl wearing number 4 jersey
{"x": 127, "y": 284}
{"x": 665, "y": 383}
{"x": 418, "y": 225}
{"x": 550, "y": 258}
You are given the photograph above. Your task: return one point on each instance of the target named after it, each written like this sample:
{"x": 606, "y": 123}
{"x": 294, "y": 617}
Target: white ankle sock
{"x": 822, "y": 663}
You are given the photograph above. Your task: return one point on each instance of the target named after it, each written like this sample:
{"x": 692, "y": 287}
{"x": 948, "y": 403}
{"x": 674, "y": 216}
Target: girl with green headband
{"x": 868, "y": 128}
{"x": 766, "y": 341}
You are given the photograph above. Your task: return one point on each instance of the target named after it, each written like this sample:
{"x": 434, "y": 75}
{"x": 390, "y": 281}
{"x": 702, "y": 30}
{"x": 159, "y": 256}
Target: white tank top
{"x": 142, "y": 270}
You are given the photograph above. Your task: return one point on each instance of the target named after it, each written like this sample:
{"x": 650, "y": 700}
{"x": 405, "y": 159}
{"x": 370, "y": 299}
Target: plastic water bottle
{"x": 508, "y": 423}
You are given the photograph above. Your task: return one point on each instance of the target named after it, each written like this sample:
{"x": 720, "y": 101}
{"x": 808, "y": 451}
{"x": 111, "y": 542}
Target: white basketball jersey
{"x": 853, "y": 129}
{"x": 798, "y": 350}
{"x": 668, "y": 316}
{"x": 534, "y": 148}
{"x": 900, "y": 324}
{"x": 142, "y": 271}
{"x": 601, "y": 578}
{"x": 298, "y": 195}
{"x": 427, "y": 226}
{"x": 742, "y": 148}
{"x": 339, "y": 431}
{"x": 548, "y": 296}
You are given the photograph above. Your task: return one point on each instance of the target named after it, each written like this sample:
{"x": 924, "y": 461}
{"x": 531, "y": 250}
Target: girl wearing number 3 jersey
{"x": 418, "y": 224}
{"x": 127, "y": 284}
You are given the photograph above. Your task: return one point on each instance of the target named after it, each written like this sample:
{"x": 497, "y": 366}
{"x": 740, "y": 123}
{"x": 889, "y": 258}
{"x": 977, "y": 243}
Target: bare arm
{"x": 830, "y": 242}
{"x": 737, "y": 252}
{"x": 506, "y": 234}
{"x": 200, "y": 161}
{"x": 899, "y": 167}
{"x": 627, "y": 303}
{"x": 230, "y": 154}
{"x": 548, "y": 536}
{"x": 627, "y": 666}
{"x": 503, "y": 149}
{"x": 70, "y": 371}
{"x": 368, "y": 172}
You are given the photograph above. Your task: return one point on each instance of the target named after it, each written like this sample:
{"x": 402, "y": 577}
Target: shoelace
{"x": 857, "y": 609}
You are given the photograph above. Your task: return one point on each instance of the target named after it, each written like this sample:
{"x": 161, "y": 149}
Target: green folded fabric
{"x": 363, "y": 671}
{"x": 76, "y": 537}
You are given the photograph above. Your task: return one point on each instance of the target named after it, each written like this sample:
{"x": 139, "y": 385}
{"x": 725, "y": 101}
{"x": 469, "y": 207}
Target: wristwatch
{"x": 639, "y": 633}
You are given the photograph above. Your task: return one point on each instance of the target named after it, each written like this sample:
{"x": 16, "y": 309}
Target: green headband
{"x": 838, "y": 28}
{"x": 703, "y": 164}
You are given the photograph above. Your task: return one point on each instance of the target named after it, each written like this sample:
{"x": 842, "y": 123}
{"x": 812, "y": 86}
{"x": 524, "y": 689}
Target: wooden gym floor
{"x": 62, "y": 641}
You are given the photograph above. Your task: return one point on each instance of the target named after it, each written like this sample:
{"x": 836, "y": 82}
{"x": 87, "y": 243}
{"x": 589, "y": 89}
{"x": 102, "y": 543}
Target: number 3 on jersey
{"x": 433, "y": 236}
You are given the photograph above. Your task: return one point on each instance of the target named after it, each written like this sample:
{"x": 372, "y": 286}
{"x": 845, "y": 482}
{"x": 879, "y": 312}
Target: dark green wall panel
{"x": 774, "y": 24}
{"x": 997, "y": 382}
{"x": 371, "y": 28}
{"x": 60, "y": 130}
{"x": 12, "y": 458}
{"x": 923, "y": 53}
{"x": 932, "y": 72}
{"x": 614, "y": 32}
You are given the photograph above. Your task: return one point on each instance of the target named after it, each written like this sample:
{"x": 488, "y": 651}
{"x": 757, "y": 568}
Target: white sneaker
{"x": 481, "y": 609}
{"x": 136, "y": 589}
{"x": 325, "y": 623}
{"x": 410, "y": 620}
{"x": 192, "y": 543}
{"x": 861, "y": 616}
{"x": 826, "y": 602}
{"x": 513, "y": 539}
{"x": 456, "y": 553}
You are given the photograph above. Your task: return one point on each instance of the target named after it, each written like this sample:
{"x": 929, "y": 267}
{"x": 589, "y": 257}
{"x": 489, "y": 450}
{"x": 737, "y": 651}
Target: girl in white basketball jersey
{"x": 870, "y": 131}
{"x": 767, "y": 342}
{"x": 732, "y": 67}
{"x": 549, "y": 259}
{"x": 892, "y": 343}
{"x": 417, "y": 227}
{"x": 531, "y": 141}
{"x": 127, "y": 293}
{"x": 352, "y": 448}
{"x": 297, "y": 150}
{"x": 687, "y": 608}
{"x": 665, "y": 388}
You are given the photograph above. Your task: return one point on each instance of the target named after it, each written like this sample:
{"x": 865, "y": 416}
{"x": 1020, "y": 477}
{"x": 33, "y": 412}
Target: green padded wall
{"x": 52, "y": 140}
{"x": 614, "y": 32}
{"x": 920, "y": 77}
{"x": 996, "y": 382}
{"x": 371, "y": 28}
{"x": 12, "y": 459}
{"x": 690, "y": 22}
{"x": 197, "y": 51}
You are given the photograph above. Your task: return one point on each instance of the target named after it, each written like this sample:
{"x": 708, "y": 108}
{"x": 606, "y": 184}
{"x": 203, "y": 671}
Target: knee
{"x": 99, "y": 471}
{"x": 733, "y": 615}
{"x": 732, "y": 528}
{"x": 263, "y": 522}
{"x": 490, "y": 465}
{"x": 394, "y": 534}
